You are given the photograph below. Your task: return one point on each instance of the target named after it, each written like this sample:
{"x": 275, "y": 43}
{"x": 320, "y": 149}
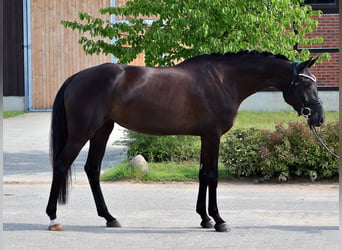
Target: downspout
{"x": 27, "y": 55}
{"x": 112, "y": 21}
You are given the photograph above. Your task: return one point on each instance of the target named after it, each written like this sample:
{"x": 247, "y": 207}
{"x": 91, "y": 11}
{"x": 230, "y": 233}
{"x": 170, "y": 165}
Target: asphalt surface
{"x": 153, "y": 216}
{"x": 26, "y": 149}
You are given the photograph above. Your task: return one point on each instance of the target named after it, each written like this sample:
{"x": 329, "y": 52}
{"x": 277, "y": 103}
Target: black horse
{"x": 199, "y": 96}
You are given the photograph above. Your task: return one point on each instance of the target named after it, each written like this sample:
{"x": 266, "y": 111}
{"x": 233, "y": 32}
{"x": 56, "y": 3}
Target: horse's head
{"x": 302, "y": 93}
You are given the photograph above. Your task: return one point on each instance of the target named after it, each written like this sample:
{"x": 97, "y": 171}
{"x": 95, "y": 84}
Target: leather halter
{"x": 306, "y": 106}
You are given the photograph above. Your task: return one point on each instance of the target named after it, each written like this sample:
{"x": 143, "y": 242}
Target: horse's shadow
{"x": 163, "y": 230}
{"x": 101, "y": 229}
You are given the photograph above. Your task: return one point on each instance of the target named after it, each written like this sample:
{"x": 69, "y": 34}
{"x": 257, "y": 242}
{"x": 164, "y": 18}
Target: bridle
{"x": 306, "y": 106}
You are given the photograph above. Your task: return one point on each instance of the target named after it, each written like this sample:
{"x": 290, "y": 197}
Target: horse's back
{"x": 157, "y": 101}
{"x": 87, "y": 83}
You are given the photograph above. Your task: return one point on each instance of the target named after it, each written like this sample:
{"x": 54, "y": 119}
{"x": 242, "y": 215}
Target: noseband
{"x": 306, "y": 106}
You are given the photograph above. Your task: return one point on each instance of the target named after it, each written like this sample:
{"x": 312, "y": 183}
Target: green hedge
{"x": 163, "y": 148}
{"x": 291, "y": 150}
{"x": 287, "y": 152}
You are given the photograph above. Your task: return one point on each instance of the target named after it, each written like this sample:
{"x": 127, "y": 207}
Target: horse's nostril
{"x": 321, "y": 121}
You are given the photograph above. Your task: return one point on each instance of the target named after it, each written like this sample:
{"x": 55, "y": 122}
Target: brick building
{"x": 328, "y": 71}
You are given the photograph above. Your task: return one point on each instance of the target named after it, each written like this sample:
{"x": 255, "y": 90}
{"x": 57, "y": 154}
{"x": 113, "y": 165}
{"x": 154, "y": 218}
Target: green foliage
{"x": 289, "y": 151}
{"x": 283, "y": 147}
{"x": 182, "y": 29}
{"x": 163, "y": 148}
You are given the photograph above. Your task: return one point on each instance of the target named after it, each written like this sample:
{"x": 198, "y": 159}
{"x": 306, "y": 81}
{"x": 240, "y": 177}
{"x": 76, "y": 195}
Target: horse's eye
{"x": 305, "y": 82}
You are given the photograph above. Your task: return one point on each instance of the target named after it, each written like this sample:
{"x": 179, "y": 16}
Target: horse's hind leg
{"x": 62, "y": 166}
{"x": 93, "y": 166}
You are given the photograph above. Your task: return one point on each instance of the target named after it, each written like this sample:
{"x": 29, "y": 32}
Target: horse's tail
{"x": 58, "y": 139}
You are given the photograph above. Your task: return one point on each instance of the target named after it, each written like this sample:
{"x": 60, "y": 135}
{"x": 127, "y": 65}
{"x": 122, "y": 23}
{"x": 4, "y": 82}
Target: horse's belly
{"x": 158, "y": 110}
{"x": 156, "y": 123}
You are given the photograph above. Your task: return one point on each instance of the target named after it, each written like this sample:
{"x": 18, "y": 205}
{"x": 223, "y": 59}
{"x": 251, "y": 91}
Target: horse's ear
{"x": 307, "y": 64}
{"x": 312, "y": 62}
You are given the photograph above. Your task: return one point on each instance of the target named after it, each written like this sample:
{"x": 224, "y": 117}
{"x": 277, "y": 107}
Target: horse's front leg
{"x": 209, "y": 157}
{"x": 220, "y": 225}
{"x": 201, "y": 207}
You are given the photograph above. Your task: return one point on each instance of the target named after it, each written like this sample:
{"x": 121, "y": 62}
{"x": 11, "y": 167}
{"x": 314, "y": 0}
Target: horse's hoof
{"x": 56, "y": 227}
{"x": 223, "y": 227}
{"x": 207, "y": 224}
{"x": 113, "y": 223}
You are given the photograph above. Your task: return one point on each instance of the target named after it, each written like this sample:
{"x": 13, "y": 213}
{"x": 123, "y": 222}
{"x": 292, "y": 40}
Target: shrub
{"x": 163, "y": 148}
{"x": 287, "y": 151}
{"x": 291, "y": 150}
{"x": 239, "y": 151}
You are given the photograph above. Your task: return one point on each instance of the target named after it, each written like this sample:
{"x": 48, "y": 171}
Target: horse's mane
{"x": 228, "y": 55}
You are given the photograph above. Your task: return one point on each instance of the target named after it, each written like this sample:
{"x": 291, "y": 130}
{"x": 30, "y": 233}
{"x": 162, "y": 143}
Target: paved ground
{"x": 26, "y": 149}
{"x": 154, "y": 216}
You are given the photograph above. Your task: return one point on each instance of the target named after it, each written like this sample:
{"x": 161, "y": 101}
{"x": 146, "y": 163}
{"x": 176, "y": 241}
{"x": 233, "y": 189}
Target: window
{"x": 327, "y": 6}
{"x": 315, "y": 2}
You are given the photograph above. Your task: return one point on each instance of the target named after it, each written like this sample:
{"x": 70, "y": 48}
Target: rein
{"x": 305, "y": 109}
{"x": 320, "y": 140}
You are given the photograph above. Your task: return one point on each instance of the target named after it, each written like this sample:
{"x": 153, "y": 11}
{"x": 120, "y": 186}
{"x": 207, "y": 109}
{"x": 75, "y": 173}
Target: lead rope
{"x": 313, "y": 129}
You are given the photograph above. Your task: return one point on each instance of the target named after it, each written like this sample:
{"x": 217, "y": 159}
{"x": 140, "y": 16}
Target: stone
{"x": 138, "y": 162}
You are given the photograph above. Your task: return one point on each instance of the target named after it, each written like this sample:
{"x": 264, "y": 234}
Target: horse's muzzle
{"x": 314, "y": 117}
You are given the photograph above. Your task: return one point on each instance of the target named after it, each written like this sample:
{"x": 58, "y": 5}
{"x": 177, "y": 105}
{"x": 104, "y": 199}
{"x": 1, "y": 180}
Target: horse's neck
{"x": 254, "y": 77}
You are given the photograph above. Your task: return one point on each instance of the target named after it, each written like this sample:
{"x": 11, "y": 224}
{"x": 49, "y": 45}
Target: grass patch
{"x": 160, "y": 172}
{"x": 11, "y": 114}
{"x": 268, "y": 120}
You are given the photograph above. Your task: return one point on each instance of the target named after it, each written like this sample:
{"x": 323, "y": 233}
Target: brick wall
{"x": 327, "y": 72}
{"x": 328, "y": 29}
